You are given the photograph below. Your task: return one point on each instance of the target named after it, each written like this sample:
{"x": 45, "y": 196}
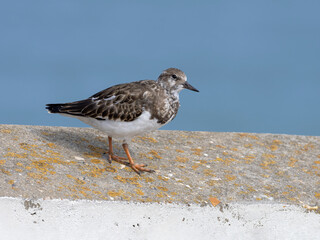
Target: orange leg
{"x": 114, "y": 157}
{"x": 136, "y": 167}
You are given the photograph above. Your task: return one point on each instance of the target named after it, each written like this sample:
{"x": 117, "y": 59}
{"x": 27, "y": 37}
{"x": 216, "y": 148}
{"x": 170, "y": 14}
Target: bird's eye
{"x": 174, "y": 76}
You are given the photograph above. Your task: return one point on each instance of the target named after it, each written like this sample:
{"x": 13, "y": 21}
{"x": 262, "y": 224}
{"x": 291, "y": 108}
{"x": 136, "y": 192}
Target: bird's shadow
{"x": 79, "y": 140}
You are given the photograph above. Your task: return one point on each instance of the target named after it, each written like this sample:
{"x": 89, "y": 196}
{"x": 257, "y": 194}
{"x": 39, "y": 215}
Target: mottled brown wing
{"x": 123, "y": 102}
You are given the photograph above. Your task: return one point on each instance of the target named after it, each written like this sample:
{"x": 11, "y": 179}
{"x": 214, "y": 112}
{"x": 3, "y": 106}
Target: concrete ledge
{"x": 192, "y": 168}
{"x": 82, "y": 219}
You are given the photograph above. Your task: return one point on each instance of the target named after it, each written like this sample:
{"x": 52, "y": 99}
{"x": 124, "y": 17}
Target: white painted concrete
{"x": 64, "y": 219}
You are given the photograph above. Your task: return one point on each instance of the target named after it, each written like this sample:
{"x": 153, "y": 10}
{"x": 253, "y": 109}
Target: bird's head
{"x": 174, "y": 80}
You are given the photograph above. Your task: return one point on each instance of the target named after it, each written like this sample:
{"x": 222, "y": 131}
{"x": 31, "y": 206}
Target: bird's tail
{"x": 73, "y": 108}
{"x": 54, "y": 108}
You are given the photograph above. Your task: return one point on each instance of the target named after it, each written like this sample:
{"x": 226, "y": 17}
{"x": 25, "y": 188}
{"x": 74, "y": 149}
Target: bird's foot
{"x": 138, "y": 168}
{"x": 117, "y": 159}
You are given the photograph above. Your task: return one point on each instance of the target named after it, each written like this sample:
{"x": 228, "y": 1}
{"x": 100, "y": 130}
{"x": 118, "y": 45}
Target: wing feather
{"x": 123, "y": 102}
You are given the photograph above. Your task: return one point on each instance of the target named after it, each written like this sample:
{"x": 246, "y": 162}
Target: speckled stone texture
{"x": 191, "y": 167}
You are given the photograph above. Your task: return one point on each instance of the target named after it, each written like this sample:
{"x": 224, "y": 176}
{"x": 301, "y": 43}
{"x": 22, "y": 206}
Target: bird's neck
{"x": 175, "y": 95}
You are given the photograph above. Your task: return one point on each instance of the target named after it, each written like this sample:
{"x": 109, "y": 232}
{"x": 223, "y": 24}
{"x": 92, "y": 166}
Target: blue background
{"x": 256, "y": 63}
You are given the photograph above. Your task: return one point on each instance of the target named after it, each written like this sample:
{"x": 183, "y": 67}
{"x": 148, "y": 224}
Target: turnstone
{"x": 129, "y": 109}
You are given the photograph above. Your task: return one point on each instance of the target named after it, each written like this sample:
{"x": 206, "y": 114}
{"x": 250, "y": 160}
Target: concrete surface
{"x": 83, "y": 219}
{"x": 260, "y": 171}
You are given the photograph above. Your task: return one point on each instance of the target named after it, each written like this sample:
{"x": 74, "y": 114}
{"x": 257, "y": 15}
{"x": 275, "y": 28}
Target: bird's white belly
{"x": 121, "y": 129}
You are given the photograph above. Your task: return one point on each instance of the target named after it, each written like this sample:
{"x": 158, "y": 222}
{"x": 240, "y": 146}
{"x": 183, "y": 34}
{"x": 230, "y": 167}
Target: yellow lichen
{"x": 248, "y": 136}
{"x": 41, "y": 166}
{"x": 92, "y": 155}
{"x": 6, "y": 130}
{"x": 220, "y": 146}
{"x": 277, "y": 142}
{"x": 249, "y": 158}
{"x": 16, "y": 155}
{"x": 273, "y": 147}
{"x": 86, "y": 195}
{"x": 51, "y": 145}
{"x": 163, "y": 178}
{"x": 93, "y": 171}
{"x": 211, "y": 182}
{"x": 77, "y": 180}
{"x": 162, "y": 188}
{"x": 155, "y": 154}
{"x": 96, "y": 192}
{"x": 96, "y": 149}
{"x": 148, "y": 179}
{"x": 230, "y": 177}
{"x": 292, "y": 162}
{"x": 96, "y": 161}
{"x": 195, "y": 166}
{"x": 112, "y": 193}
{"x": 268, "y": 156}
{"x": 53, "y": 153}
{"x": 161, "y": 195}
{"x": 179, "y": 151}
{"x": 5, "y": 171}
{"x": 308, "y": 147}
{"x": 11, "y": 182}
{"x": 37, "y": 176}
{"x": 208, "y": 172}
{"x": 144, "y": 155}
{"x": 265, "y": 164}
{"x": 250, "y": 189}
{"x": 45, "y": 133}
{"x": 131, "y": 180}
{"x": 226, "y": 161}
{"x": 120, "y": 179}
{"x": 197, "y": 151}
{"x": 149, "y": 139}
{"x": 139, "y": 192}
{"x": 181, "y": 159}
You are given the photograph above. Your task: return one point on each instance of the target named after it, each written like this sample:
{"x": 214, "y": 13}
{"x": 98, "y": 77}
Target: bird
{"x": 130, "y": 109}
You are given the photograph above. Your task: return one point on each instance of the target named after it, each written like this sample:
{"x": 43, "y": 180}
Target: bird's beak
{"x": 187, "y": 85}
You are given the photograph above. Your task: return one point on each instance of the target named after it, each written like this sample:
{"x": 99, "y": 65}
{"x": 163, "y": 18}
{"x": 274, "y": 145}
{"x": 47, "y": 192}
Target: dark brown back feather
{"x": 122, "y": 102}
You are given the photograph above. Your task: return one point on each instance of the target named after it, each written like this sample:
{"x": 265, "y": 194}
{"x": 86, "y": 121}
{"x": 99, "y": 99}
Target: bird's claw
{"x": 117, "y": 159}
{"x": 138, "y": 168}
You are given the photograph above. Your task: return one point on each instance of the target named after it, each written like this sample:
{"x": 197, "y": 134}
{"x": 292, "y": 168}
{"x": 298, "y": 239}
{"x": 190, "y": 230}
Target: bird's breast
{"x": 164, "y": 109}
